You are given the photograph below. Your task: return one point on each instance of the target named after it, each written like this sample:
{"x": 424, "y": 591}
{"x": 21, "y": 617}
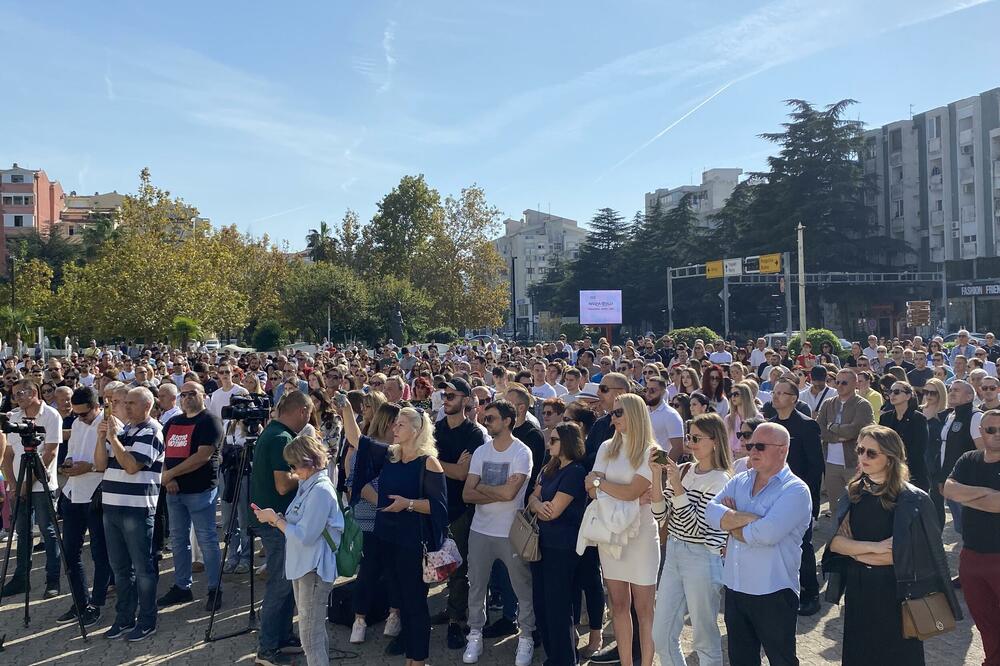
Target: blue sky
{"x": 277, "y": 116}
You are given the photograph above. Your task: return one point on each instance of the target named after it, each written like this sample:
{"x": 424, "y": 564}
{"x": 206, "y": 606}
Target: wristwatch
{"x": 597, "y": 483}
{"x": 410, "y": 507}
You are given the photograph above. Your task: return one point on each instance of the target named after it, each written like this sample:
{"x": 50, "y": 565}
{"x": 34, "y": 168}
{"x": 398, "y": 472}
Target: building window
{"x": 934, "y": 127}
{"x": 71, "y": 231}
{"x": 8, "y": 200}
{"x": 19, "y": 220}
{"x": 529, "y": 271}
{"x": 17, "y": 178}
{"x": 939, "y": 205}
{"x": 897, "y": 208}
{"x": 895, "y": 141}
{"x": 969, "y": 239}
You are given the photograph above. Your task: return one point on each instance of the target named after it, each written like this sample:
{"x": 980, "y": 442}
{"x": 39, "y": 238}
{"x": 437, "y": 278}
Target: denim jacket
{"x": 313, "y": 508}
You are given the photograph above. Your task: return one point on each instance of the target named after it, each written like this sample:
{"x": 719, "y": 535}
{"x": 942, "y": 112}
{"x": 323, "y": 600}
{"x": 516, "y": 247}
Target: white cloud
{"x": 388, "y": 37}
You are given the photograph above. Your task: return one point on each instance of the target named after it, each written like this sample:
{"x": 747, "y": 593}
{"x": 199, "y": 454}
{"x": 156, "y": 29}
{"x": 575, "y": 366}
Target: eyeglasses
{"x": 604, "y": 388}
{"x": 992, "y": 430}
{"x": 744, "y": 434}
{"x": 696, "y": 438}
{"x": 734, "y": 395}
{"x": 760, "y": 446}
{"x": 842, "y": 382}
{"x": 548, "y": 412}
{"x": 450, "y": 396}
{"x": 376, "y": 384}
{"x": 24, "y": 392}
{"x": 984, "y": 387}
{"x": 617, "y": 413}
{"x": 871, "y": 454}
{"x": 899, "y": 392}
{"x": 188, "y": 394}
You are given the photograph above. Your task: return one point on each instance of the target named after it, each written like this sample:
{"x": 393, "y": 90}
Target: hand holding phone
{"x": 661, "y": 457}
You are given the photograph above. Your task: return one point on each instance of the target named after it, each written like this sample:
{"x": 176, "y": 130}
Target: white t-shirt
{"x": 49, "y": 419}
{"x": 493, "y": 469}
{"x": 620, "y": 470}
{"x": 835, "y": 450}
{"x": 82, "y": 442}
{"x": 720, "y": 357}
{"x": 667, "y": 423}
{"x": 560, "y": 390}
{"x": 757, "y": 358}
{"x": 169, "y": 414}
{"x": 543, "y": 392}
{"x": 87, "y": 380}
{"x": 815, "y": 400}
{"x": 220, "y": 398}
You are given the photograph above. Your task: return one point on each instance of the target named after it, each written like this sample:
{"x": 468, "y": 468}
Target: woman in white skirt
{"x": 622, "y": 471}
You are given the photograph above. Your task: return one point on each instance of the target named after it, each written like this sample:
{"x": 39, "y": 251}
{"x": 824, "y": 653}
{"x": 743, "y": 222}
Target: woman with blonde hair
{"x": 692, "y": 572}
{"x": 369, "y": 406}
{"x": 412, "y": 513}
{"x": 622, "y": 471}
{"x": 890, "y": 549}
{"x": 312, "y": 525}
{"x": 742, "y": 407}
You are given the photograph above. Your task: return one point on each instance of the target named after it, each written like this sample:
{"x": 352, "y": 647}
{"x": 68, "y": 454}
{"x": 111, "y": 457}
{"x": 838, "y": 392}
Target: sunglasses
{"x": 842, "y": 382}
{"x": 992, "y": 430}
{"x": 377, "y": 384}
{"x": 617, "y": 413}
{"x": 871, "y": 454}
{"x": 188, "y": 394}
{"x": 734, "y": 395}
{"x": 744, "y": 434}
{"x": 750, "y": 446}
{"x": 696, "y": 438}
{"x": 450, "y": 396}
{"x": 604, "y": 388}
{"x": 899, "y": 392}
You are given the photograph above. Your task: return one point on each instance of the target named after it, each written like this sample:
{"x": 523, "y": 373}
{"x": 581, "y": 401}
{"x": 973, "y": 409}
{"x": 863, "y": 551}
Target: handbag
{"x": 928, "y": 616}
{"x": 524, "y": 536}
{"x": 439, "y": 564}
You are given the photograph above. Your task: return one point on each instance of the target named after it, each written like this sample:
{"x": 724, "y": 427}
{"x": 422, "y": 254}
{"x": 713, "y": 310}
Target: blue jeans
{"x": 956, "y": 515}
{"x": 129, "y": 534}
{"x": 78, "y": 519}
{"x": 39, "y": 505}
{"x": 241, "y": 547}
{"x": 185, "y": 509}
{"x": 279, "y": 601}
{"x": 690, "y": 583}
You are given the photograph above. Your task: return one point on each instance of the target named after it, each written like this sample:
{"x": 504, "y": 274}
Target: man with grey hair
{"x": 131, "y": 457}
{"x": 166, "y": 400}
{"x": 961, "y": 433}
{"x": 766, "y": 511}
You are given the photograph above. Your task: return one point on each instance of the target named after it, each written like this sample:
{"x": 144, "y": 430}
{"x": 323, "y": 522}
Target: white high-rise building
{"x": 529, "y": 247}
{"x": 709, "y": 197}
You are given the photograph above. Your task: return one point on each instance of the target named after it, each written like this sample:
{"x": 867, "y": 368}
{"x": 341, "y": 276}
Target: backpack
{"x": 351, "y": 542}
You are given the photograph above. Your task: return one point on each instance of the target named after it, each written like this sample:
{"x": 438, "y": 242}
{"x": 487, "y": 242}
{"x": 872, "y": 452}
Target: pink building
{"x": 29, "y": 201}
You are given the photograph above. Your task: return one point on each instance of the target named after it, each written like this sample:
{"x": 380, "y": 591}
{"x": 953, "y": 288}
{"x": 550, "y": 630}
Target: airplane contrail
{"x": 667, "y": 128}
{"x": 279, "y": 214}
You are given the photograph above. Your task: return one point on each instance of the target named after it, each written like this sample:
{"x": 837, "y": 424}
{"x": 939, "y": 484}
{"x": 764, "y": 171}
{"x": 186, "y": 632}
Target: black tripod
{"x": 246, "y": 458}
{"x": 33, "y": 470}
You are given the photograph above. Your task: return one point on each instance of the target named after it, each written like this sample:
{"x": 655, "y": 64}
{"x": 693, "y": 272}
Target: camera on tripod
{"x": 247, "y": 408}
{"x": 29, "y": 432}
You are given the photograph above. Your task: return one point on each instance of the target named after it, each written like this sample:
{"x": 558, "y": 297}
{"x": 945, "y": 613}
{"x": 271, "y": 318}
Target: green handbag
{"x": 351, "y": 542}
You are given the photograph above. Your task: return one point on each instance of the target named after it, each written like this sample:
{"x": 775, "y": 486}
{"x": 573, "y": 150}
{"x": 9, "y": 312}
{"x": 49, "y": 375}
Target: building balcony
{"x": 968, "y": 214}
{"x": 896, "y": 191}
{"x": 895, "y": 159}
{"x": 937, "y": 254}
{"x": 897, "y": 225}
{"x": 967, "y": 175}
{"x": 969, "y": 250}
{"x": 965, "y": 137}
{"x": 937, "y": 218}
{"x": 934, "y": 145}
{"x": 936, "y": 181}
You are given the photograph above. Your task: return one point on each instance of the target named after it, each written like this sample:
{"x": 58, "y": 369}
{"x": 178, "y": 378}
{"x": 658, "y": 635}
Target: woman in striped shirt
{"x": 691, "y": 579}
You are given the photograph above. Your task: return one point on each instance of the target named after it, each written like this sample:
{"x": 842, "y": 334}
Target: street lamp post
{"x": 802, "y": 281}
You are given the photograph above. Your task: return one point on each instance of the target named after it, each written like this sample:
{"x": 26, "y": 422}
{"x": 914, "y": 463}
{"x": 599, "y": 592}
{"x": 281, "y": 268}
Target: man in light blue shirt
{"x": 766, "y": 511}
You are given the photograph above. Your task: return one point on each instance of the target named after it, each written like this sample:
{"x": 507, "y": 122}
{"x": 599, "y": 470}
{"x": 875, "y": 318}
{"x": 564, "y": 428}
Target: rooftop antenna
{"x": 911, "y": 112}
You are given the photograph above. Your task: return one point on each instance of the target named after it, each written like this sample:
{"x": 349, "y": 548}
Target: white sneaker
{"x": 474, "y": 649}
{"x": 393, "y": 626}
{"x": 358, "y": 631}
{"x": 525, "y": 651}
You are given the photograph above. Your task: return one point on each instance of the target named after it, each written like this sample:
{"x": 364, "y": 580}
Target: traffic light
{"x": 918, "y": 313}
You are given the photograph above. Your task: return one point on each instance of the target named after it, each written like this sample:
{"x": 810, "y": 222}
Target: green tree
{"x": 14, "y": 322}
{"x": 183, "y": 330}
{"x": 311, "y": 290}
{"x": 53, "y": 250}
{"x": 100, "y": 231}
{"x": 407, "y": 221}
{"x": 348, "y": 239}
{"x": 269, "y": 335}
{"x": 321, "y": 244}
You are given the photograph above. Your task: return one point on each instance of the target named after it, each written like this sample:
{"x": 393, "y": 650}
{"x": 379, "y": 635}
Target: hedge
{"x": 690, "y": 334}
{"x": 442, "y": 334}
{"x": 816, "y": 336}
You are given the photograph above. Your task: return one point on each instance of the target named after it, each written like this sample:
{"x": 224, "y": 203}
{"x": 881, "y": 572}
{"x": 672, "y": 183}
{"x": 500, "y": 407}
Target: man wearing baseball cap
{"x": 456, "y": 438}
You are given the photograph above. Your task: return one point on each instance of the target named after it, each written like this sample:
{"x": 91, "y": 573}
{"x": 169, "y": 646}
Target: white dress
{"x": 640, "y": 558}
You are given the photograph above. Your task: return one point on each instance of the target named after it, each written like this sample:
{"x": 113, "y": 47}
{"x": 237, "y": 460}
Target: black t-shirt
{"x": 562, "y": 532}
{"x": 451, "y": 442}
{"x": 918, "y": 377}
{"x": 529, "y": 433}
{"x": 181, "y": 438}
{"x": 980, "y": 529}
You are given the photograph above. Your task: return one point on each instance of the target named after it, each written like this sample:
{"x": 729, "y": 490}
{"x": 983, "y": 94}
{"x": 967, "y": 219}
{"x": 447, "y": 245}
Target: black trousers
{"x": 406, "y": 575}
{"x": 372, "y": 583}
{"x": 807, "y": 568}
{"x": 587, "y": 583}
{"x": 938, "y": 501}
{"x": 552, "y": 586}
{"x": 761, "y": 620}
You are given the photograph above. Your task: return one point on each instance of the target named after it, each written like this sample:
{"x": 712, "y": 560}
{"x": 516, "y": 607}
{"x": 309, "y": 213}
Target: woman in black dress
{"x": 904, "y": 416}
{"x": 868, "y": 536}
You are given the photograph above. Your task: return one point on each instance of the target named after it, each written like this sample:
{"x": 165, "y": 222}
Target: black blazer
{"x": 912, "y": 429}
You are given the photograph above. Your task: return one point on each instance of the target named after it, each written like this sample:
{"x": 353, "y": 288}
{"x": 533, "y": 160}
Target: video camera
{"x": 29, "y": 432}
{"x": 247, "y": 408}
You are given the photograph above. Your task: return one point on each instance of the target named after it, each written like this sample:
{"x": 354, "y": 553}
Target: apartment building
{"x": 82, "y": 211}
{"x": 709, "y": 197}
{"x": 529, "y": 247}
{"x": 29, "y": 201}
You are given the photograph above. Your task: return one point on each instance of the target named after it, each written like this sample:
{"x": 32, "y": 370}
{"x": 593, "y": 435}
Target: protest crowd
{"x": 571, "y": 487}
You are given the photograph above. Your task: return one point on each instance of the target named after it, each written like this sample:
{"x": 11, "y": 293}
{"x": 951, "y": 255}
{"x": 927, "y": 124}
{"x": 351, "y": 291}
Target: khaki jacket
{"x": 857, "y": 414}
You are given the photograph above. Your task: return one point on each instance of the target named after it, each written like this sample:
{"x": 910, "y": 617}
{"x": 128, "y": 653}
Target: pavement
{"x": 180, "y": 636}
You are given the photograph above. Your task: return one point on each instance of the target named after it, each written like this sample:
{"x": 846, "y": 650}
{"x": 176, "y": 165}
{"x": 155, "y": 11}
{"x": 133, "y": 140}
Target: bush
{"x": 816, "y": 336}
{"x": 269, "y": 335}
{"x": 690, "y": 334}
{"x": 442, "y": 334}
{"x": 572, "y": 332}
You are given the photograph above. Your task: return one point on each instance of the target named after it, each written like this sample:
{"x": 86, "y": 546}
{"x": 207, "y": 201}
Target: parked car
{"x": 953, "y": 337}
{"x": 212, "y": 344}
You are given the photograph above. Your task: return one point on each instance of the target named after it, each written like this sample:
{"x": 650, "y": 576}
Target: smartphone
{"x": 107, "y": 412}
{"x": 661, "y": 457}
{"x": 340, "y": 399}
{"x": 254, "y": 506}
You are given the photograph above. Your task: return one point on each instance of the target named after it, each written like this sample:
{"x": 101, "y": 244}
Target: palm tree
{"x": 321, "y": 244}
{"x": 96, "y": 234}
{"x": 14, "y": 321}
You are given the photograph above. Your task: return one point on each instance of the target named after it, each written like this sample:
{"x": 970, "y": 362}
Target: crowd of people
{"x": 660, "y": 483}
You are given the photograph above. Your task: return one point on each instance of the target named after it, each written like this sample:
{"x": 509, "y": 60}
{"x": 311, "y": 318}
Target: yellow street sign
{"x": 713, "y": 269}
{"x": 770, "y": 263}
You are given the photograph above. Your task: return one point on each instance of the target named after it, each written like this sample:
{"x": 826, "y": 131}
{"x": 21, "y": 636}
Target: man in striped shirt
{"x": 130, "y": 490}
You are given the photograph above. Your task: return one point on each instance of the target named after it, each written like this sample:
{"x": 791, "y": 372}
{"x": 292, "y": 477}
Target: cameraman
{"x": 80, "y": 513}
{"x": 30, "y": 407}
{"x": 191, "y": 455}
{"x": 273, "y": 486}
